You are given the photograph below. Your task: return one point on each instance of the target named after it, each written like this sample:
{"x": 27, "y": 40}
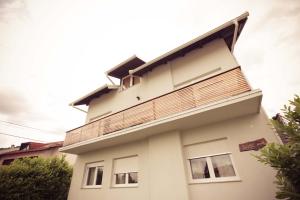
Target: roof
{"x": 12, "y": 148}
{"x": 225, "y": 31}
{"x": 34, "y": 147}
{"x": 136, "y": 66}
{"x": 86, "y": 99}
{"x": 122, "y": 69}
{"x": 31, "y": 145}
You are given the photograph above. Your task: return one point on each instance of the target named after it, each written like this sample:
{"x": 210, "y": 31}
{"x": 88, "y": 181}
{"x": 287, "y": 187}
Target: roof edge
{"x": 120, "y": 64}
{"x": 112, "y": 87}
{"x": 215, "y": 30}
{"x": 113, "y": 72}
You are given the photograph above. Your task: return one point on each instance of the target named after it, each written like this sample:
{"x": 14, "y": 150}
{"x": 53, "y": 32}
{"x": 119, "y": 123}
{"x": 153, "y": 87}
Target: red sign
{"x": 253, "y": 145}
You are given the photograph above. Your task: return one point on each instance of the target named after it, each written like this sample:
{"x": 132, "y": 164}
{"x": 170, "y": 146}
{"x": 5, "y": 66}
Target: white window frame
{"x": 126, "y": 184}
{"x": 130, "y": 82}
{"x": 86, "y": 171}
{"x": 212, "y": 178}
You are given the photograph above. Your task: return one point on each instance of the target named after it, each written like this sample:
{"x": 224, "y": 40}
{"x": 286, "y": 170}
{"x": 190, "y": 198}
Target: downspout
{"x": 236, "y": 27}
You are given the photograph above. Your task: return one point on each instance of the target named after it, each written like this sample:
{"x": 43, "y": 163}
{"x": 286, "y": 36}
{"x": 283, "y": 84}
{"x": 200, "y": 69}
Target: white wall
{"x": 163, "y": 169}
{"x": 108, "y": 192}
{"x": 211, "y": 59}
{"x": 167, "y": 173}
{"x": 256, "y": 179}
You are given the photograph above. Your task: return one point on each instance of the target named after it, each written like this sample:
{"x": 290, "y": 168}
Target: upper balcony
{"x": 193, "y": 97}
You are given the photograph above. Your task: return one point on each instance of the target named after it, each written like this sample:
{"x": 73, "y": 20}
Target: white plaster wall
{"x": 161, "y": 173}
{"x": 107, "y": 192}
{"x": 256, "y": 179}
{"x": 167, "y": 173}
{"x": 211, "y": 59}
{"x": 153, "y": 84}
{"x": 163, "y": 168}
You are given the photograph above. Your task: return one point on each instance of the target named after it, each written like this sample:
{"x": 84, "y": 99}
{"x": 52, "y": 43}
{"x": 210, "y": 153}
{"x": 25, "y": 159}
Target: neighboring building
{"x": 8, "y": 149}
{"x": 182, "y": 126}
{"x": 32, "y": 150}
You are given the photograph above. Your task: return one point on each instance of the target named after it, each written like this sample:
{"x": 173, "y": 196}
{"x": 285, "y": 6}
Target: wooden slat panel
{"x": 113, "y": 123}
{"x": 72, "y": 137}
{"x": 216, "y": 88}
{"x": 167, "y": 105}
{"x": 139, "y": 114}
{"x": 89, "y": 131}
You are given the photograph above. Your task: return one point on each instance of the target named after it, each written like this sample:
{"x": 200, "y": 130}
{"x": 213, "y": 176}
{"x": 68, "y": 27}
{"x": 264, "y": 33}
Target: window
{"x": 7, "y": 161}
{"x": 129, "y": 81}
{"x": 126, "y": 82}
{"x": 213, "y": 168}
{"x": 93, "y": 175}
{"x": 125, "y": 172}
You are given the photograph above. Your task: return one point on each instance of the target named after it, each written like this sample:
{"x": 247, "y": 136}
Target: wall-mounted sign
{"x": 253, "y": 145}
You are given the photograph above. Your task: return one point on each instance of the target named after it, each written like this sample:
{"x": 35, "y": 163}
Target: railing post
{"x": 80, "y": 135}
{"x": 154, "y": 109}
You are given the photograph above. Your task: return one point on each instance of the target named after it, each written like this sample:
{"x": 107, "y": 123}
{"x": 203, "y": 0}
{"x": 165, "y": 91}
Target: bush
{"x": 285, "y": 159}
{"x": 35, "y": 179}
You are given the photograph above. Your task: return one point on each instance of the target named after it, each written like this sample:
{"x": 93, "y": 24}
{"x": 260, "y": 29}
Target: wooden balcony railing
{"x": 219, "y": 87}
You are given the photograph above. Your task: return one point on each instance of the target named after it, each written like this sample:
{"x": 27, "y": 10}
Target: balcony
{"x": 220, "y": 87}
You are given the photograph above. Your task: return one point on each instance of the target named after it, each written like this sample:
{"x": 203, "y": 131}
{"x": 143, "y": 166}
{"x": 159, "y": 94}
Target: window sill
{"x": 215, "y": 180}
{"x": 92, "y": 187}
{"x": 125, "y": 186}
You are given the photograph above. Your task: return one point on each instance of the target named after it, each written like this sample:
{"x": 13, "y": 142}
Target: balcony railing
{"x": 219, "y": 87}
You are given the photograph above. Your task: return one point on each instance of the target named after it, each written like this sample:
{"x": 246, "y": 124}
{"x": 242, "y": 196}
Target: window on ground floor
{"x": 125, "y": 172}
{"x": 218, "y": 167}
{"x": 209, "y": 161}
{"x": 93, "y": 175}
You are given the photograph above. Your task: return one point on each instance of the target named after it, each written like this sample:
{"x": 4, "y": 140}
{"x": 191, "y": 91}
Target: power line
{"x": 21, "y": 137}
{"x": 21, "y": 125}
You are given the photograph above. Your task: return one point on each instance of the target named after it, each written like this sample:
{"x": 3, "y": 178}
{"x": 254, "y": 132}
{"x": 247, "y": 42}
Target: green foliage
{"x": 35, "y": 179}
{"x": 285, "y": 159}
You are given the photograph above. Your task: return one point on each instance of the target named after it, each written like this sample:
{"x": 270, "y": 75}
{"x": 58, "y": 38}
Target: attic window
{"x": 129, "y": 81}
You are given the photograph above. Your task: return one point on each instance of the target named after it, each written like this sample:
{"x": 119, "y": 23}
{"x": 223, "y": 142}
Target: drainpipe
{"x": 78, "y": 108}
{"x": 236, "y": 27}
{"x": 109, "y": 79}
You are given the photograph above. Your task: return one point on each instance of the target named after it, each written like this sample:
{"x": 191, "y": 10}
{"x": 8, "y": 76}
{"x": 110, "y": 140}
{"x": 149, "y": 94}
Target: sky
{"x": 54, "y": 51}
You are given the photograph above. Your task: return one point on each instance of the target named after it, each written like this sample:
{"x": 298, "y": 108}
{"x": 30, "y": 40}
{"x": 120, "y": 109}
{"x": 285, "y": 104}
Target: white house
{"x": 183, "y": 126}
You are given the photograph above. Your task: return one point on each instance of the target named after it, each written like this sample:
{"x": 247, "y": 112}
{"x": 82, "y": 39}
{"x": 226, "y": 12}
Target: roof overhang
{"x": 94, "y": 94}
{"x": 225, "y": 31}
{"x": 236, "y": 106}
{"x": 122, "y": 69}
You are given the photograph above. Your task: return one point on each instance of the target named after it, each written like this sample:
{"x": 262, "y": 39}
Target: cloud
{"x": 12, "y": 9}
{"x": 65, "y": 44}
{"x": 269, "y": 53}
{"x": 12, "y": 102}
{"x": 15, "y": 107}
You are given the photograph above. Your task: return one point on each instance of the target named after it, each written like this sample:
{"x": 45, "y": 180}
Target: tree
{"x": 285, "y": 159}
{"x": 35, "y": 178}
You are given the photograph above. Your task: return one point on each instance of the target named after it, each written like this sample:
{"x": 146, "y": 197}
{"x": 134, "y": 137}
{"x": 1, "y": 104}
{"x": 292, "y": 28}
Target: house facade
{"x": 33, "y": 150}
{"x": 183, "y": 126}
